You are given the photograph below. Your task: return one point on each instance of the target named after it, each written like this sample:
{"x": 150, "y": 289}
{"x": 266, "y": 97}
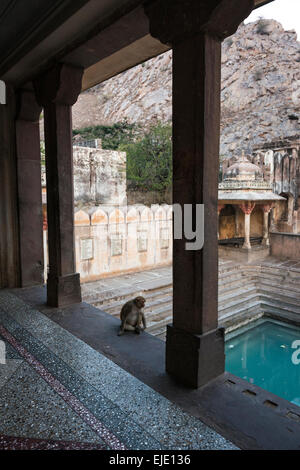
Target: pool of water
{"x": 267, "y": 354}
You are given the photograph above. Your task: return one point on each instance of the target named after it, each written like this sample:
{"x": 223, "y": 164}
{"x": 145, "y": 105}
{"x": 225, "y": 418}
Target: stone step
{"x": 231, "y": 276}
{"x": 242, "y": 280}
{"x": 251, "y": 308}
{"x": 237, "y": 304}
{"x": 115, "y": 308}
{"x": 241, "y": 292}
{"x": 280, "y": 290}
{"x": 288, "y": 316}
{"x": 280, "y": 305}
{"x": 242, "y": 318}
{"x": 160, "y": 333}
{"x": 159, "y": 313}
{"x": 228, "y": 266}
{"x": 276, "y": 280}
{"x": 287, "y": 281}
{"x": 280, "y": 270}
{"x": 154, "y": 326}
{"x": 124, "y": 294}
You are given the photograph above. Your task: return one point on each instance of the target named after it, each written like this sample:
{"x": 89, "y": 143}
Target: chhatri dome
{"x": 244, "y": 186}
{"x": 243, "y": 170}
{"x": 244, "y": 181}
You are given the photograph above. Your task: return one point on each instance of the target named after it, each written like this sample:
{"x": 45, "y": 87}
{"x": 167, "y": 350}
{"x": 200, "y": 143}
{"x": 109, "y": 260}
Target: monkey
{"x": 132, "y": 315}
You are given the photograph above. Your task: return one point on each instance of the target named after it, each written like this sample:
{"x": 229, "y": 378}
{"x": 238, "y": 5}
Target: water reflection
{"x": 263, "y": 356}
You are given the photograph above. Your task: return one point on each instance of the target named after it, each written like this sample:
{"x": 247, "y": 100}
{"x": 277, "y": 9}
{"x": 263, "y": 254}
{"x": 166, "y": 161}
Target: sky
{"x": 287, "y": 12}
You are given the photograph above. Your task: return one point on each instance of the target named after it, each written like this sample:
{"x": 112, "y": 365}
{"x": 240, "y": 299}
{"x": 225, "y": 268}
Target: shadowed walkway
{"x": 56, "y": 392}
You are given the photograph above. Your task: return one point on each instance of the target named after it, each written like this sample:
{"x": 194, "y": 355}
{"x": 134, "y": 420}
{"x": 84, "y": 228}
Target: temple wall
{"x": 285, "y": 245}
{"x": 256, "y": 222}
{"x": 99, "y": 176}
{"x": 110, "y": 241}
{"x": 231, "y": 226}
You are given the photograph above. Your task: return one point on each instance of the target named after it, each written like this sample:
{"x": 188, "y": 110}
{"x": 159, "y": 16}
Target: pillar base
{"x": 265, "y": 242}
{"x": 63, "y": 290}
{"x": 246, "y": 246}
{"x": 192, "y": 359}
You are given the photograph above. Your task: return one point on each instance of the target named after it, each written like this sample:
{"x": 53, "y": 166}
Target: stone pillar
{"x": 220, "y": 207}
{"x": 291, "y": 204}
{"x": 272, "y": 220}
{"x": 236, "y": 221}
{"x": 9, "y": 226}
{"x": 266, "y": 211}
{"x": 247, "y": 208}
{"x": 57, "y": 91}
{"x": 29, "y": 189}
{"x": 295, "y": 221}
{"x": 195, "y": 344}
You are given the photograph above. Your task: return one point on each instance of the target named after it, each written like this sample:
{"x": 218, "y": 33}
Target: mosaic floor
{"x": 56, "y": 392}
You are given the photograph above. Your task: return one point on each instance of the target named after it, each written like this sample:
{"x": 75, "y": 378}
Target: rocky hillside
{"x": 260, "y": 92}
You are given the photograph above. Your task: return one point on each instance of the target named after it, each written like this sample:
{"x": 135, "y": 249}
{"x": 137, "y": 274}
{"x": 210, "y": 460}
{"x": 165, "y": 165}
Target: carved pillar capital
{"x": 267, "y": 207}
{"x": 60, "y": 85}
{"x": 247, "y": 207}
{"x": 172, "y": 21}
{"x": 27, "y": 108}
{"x": 220, "y": 207}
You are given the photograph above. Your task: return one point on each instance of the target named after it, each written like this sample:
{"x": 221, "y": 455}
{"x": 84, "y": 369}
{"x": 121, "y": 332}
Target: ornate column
{"x": 195, "y": 29}
{"x": 29, "y": 188}
{"x": 247, "y": 208}
{"x": 266, "y": 210}
{"x": 57, "y": 91}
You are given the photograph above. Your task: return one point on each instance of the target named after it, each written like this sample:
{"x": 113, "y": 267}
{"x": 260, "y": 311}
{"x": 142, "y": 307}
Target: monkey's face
{"x": 140, "y": 302}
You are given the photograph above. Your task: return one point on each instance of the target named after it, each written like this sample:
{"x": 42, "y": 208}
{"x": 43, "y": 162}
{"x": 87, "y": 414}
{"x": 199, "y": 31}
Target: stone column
{"x": 290, "y": 204}
{"x": 247, "y": 208}
{"x": 57, "y": 91}
{"x": 295, "y": 221}
{"x": 266, "y": 211}
{"x": 220, "y": 207}
{"x": 236, "y": 221}
{"x": 9, "y": 226}
{"x": 29, "y": 189}
{"x": 272, "y": 220}
{"x": 195, "y": 344}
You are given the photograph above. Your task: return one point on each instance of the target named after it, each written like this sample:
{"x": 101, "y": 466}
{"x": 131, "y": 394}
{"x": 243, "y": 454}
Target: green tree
{"x": 112, "y": 136}
{"x": 149, "y": 159}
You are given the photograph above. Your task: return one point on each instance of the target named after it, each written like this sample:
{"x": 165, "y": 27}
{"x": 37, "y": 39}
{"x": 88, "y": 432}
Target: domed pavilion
{"x": 244, "y": 203}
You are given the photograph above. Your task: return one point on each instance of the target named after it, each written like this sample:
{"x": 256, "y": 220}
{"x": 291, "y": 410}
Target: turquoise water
{"x": 263, "y": 355}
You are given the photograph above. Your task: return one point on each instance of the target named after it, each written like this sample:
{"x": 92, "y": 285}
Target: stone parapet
{"x": 112, "y": 240}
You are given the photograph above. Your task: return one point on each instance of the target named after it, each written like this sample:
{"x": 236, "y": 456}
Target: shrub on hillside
{"x": 112, "y": 136}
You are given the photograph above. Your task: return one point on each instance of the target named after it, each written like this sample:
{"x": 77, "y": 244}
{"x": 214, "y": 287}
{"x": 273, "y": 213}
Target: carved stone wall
{"x": 99, "y": 176}
{"x": 110, "y": 240}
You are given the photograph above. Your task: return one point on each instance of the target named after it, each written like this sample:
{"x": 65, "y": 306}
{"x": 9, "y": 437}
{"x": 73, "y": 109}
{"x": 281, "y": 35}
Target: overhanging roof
{"x": 104, "y": 37}
{"x": 255, "y": 196}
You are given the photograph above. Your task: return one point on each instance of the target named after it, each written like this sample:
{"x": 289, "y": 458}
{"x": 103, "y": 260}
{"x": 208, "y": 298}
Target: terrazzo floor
{"x": 56, "y": 392}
